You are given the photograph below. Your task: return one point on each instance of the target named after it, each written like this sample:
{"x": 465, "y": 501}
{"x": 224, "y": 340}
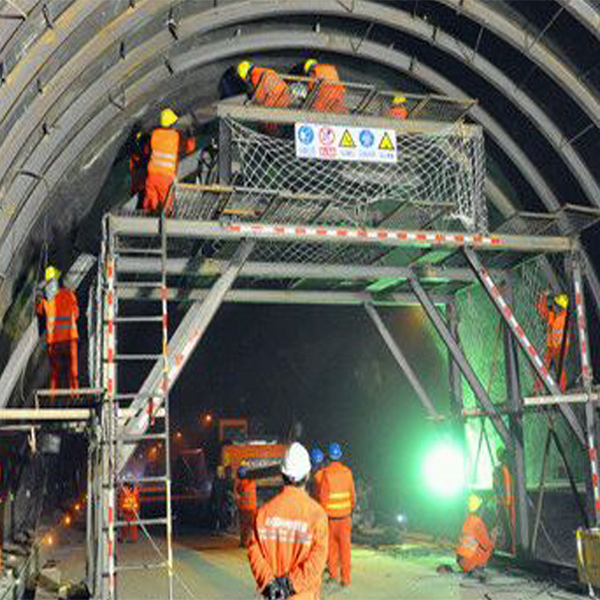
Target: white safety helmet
{"x": 296, "y": 462}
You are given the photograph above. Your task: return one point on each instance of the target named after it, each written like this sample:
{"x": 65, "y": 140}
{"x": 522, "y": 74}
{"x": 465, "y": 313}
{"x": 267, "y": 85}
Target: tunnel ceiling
{"x": 75, "y": 75}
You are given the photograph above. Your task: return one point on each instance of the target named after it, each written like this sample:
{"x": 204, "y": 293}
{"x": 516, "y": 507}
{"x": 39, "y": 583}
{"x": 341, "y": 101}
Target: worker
{"x": 218, "y": 498}
{"x": 266, "y": 87}
{"x": 166, "y": 144}
{"x": 246, "y": 497}
{"x": 129, "y": 506}
{"x": 288, "y": 548}
{"x": 398, "y": 108}
{"x": 139, "y": 154}
{"x": 338, "y": 498}
{"x": 505, "y": 499}
{"x": 317, "y": 459}
{"x": 475, "y": 547}
{"x": 329, "y": 96}
{"x": 555, "y": 314}
{"x": 58, "y": 306}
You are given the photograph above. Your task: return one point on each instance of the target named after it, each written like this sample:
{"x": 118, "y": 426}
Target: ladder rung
{"x": 139, "y": 319}
{"x": 139, "y": 284}
{"x": 138, "y": 356}
{"x": 157, "y": 251}
{"x": 144, "y": 567}
{"x": 133, "y": 396}
{"x": 151, "y": 522}
{"x": 134, "y": 439}
{"x": 162, "y": 479}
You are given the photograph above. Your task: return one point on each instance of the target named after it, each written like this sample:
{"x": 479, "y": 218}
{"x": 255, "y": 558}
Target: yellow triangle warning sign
{"x": 386, "y": 142}
{"x": 347, "y": 141}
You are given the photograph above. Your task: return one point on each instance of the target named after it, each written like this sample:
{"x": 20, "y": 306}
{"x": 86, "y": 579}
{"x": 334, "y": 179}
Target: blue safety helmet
{"x": 242, "y": 472}
{"x": 335, "y": 452}
{"x": 316, "y": 456}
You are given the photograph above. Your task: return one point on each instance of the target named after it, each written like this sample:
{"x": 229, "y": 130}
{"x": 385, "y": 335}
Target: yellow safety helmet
{"x": 562, "y": 300}
{"x": 399, "y": 100}
{"x": 52, "y": 273}
{"x": 243, "y": 69}
{"x": 309, "y": 64}
{"x": 168, "y": 117}
{"x": 474, "y": 502}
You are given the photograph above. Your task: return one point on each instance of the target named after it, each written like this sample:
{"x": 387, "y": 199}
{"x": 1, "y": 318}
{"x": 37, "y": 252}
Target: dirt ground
{"x": 214, "y": 567}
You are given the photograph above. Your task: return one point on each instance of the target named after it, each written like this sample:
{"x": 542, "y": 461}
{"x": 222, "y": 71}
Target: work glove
{"x": 273, "y": 591}
{"x": 286, "y": 586}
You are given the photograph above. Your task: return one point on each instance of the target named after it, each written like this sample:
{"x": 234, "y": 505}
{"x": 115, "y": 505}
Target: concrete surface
{"x": 214, "y": 567}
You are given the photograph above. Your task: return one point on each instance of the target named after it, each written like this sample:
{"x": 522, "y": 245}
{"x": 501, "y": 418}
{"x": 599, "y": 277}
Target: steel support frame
{"x": 402, "y": 362}
{"x": 530, "y": 351}
{"x": 461, "y": 360}
{"x": 181, "y": 346}
{"x": 515, "y": 424}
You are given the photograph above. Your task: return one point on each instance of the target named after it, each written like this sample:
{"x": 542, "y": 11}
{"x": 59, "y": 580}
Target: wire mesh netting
{"x": 434, "y": 171}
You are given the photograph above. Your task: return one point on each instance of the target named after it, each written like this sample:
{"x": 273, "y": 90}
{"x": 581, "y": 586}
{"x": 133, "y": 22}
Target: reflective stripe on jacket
{"x": 336, "y": 491}
{"x": 164, "y": 151}
{"x": 557, "y": 322}
{"x": 290, "y": 539}
{"x": 246, "y": 494}
{"x": 61, "y": 315}
{"x": 474, "y": 537}
{"x": 130, "y": 500}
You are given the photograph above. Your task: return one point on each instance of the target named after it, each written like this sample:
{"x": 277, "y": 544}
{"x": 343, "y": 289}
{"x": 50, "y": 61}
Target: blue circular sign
{"x": 306, "y": 135}
{"x": 367, "y": 139}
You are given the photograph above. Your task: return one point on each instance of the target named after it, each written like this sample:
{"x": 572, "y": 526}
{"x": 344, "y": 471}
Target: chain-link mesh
{"x": 434, "y": 170}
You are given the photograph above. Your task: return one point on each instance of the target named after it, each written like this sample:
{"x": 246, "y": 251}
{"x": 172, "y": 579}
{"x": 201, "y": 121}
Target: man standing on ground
{"x": 288, "y": 549}
{"x": 338, "y": 498}
{"x": 245, "y": 493}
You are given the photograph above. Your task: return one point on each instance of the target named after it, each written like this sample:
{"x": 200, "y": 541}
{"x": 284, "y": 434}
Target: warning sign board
{"x": 334, "y": 142}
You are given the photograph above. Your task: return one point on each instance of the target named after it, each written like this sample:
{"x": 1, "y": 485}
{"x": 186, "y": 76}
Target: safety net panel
{"x": 434, "y": 170}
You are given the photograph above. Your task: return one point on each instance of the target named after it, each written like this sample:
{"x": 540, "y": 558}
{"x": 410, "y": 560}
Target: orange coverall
{"x": 398, "y": 111}
{"x": 316, "y": 483}
{"x": 245, "y": 492}
{"x": 557, "y": 321}
{"x": 269, "y": 88}
{"x": 129, "y": 503}
{"x": 165, "y": 146}
{"x": 330, "y": 97}
{"x": 290, "y": 539}
{"x": 61, "y": 314}
{"x": 506, "y": 501}
{"x": 475, "y": 546}
{"x": 337, "y": 497}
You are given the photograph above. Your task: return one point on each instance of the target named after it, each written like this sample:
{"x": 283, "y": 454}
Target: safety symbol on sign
{"x": 386, "y": 142}
{"x": 326, "y": 136}
{"x": 306, "y": 135}
{"x": 367, "y": 139}
{"x": 347, "y": 141}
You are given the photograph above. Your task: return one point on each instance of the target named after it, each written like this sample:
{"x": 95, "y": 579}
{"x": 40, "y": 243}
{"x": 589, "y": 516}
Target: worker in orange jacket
{"x": 555, "y": 314}
{"x": 505, "y": 499}
{"x": 338, "y": 498}
{"x": 245, "y": 494}
{"x": 129, "y": 507}
{"x": 166, "y": 144}
{"x": 475, "y": 546}
{"x": 317, "y": 459}
{"x": 398, "y": 108}
{"x": 329, "y": 96}
{"x": 288, "y": 548}
{"x": 266, "y": 87}
{"x": 58, "y": 306}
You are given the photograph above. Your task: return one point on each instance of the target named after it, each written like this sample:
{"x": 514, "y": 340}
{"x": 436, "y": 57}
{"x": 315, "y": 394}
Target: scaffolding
{"x": 265, "y": 234}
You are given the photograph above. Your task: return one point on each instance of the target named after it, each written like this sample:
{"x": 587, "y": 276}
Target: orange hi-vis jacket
{"x": 508, "y": 497}
{"x": 246, "y": 494}
{"x": 290, "y": 539}
{"x": 165, "y": 147}
{"x": 398, "y": 111}
{"x": 317, "y": 480}
{"x": 130, "y": 500}
{"x": 61, "y": 315}
{"x": 336, "y": 491}
{"x": 557, "y": 321}
{"x": 269, "y": 88}
{"x": 330, "y": 97}
{"x": 475, "y": 546}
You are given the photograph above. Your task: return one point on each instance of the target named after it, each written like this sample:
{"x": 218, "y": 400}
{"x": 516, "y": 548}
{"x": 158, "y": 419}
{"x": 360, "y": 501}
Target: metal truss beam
{"x": 402, "y": 362}
{"x": 284, "y": 297}
{"x": 213, "y": 268}
{"x": 181, "y": 346}
{"x": 460, "y": 359}
{"x": 528, "y": 348}
{"x": 135, "y": 226}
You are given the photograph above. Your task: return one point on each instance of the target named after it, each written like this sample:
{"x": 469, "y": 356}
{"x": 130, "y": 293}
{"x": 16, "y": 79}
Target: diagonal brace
{"x": 529, "y": 349}
{"x": 461, "y": 360}
{"x": 181, "y": 346}
{"x": 402, "y": 362}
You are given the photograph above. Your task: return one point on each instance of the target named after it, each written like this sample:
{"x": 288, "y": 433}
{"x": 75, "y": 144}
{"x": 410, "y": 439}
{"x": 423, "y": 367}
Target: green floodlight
{"x": 444, "y": 469}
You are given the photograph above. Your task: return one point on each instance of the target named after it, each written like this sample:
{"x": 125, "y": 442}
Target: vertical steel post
{"x": 456, "y": 392}
{"x": 224, "y": 153}
{"x": 587, "y": 376}
{"x": 515, "y": 425}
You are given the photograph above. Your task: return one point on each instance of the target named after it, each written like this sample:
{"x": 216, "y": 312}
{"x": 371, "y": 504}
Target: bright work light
{"x": 444, "y": 469}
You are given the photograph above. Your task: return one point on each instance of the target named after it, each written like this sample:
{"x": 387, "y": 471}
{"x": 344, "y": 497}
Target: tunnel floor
{"x": 214, "y": 567}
